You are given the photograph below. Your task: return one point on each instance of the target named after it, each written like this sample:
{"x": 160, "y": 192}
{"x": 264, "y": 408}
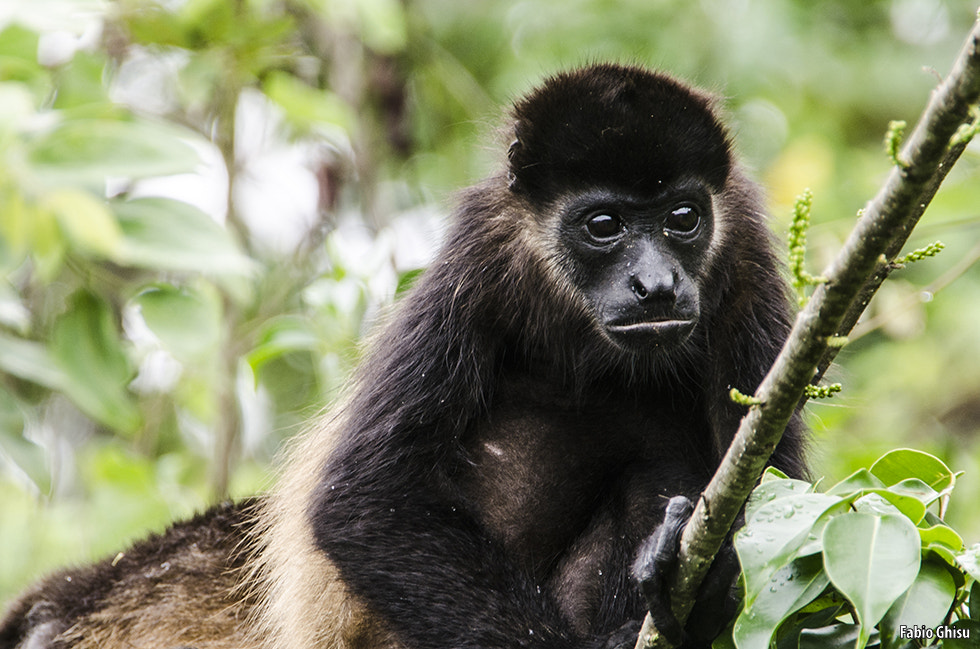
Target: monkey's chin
{"x": 649, "y": 336}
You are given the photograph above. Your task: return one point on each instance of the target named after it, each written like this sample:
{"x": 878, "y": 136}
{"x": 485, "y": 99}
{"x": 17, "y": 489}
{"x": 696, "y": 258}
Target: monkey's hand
{"x": 655, "y": 567}
{"x": 622, "y": 638}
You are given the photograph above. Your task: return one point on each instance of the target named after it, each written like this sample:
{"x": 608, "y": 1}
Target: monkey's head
{"x": 622, "y": 168}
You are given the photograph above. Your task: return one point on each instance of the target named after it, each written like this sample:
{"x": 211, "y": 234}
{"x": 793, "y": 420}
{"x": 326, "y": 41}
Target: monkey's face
{"x": 638, "y": 261}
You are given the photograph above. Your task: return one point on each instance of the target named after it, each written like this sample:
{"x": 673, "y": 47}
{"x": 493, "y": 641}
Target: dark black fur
{"x": 505, "y": 459}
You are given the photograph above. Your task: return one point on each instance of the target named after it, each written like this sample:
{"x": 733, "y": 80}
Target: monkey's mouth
{"x": 638, "y": 336}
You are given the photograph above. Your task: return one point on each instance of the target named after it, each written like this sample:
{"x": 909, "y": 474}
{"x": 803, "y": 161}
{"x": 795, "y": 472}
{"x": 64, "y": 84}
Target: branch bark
{"x": 852, "y": 279}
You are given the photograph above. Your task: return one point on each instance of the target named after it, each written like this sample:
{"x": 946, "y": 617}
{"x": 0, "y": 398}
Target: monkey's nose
{"x": 652, "y": 288}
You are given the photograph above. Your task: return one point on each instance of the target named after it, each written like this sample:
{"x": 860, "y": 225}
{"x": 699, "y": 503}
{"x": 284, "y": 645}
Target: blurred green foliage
{"x": 159, "y": 339}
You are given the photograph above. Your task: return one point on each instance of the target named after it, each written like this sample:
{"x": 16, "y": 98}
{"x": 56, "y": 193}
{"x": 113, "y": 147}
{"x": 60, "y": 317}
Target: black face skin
{"x": 639, "y": 262}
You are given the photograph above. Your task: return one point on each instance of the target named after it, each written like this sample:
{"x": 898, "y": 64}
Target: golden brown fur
{"x": 303, "y": 602}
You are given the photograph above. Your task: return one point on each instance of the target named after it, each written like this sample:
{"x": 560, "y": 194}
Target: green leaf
{"x": 407, "y": 280}
{"x": 965, "y": 635}
{"x": 150, "y": 24}
{"x": 791, "y": 587}
{"x": 943, "y": 535}
{"x": 305, "y": 106}
{"x": 30, "y": 361}
{"x": 87, "y": 222}
{"x": 915, "y": 488}
{"x": 925, "y": 603}
{"x": 47, "y": 244}
{"x": 165, "y": 234}
{"x": 773, "y": 489}
{"x": 837, "y": 636}
{"x": 975, "y": 602}
{"x": 85, "y": 343}
{"x": 970, "y": 561}
{"x": 188, "y": 323}
{"x": 83, "y": 152}
{"x": 282, "y": 336}
{"x": 871, "y": 560}
{"x": 790, "y": 638}
{"x": 912, "y": 508}
{"x": 901, "y": 464}
{"x": 774, "y": 534}
{"x": 18, "y": 42}
{"x": 859, "y": 481}
{"x": 14, "y": 447}
{"x": 81, "y": 81}
{"x": 772, "y": 473}
{"x": 383, "y": 25}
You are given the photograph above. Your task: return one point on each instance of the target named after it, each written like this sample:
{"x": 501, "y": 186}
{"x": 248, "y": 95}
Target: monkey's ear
{"x": 512, "y": 152}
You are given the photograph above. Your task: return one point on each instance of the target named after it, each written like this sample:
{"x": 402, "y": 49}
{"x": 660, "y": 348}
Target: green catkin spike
{"x": 893, "y": 141}
{"x": 744, "y": 399}
{"x": 931, "y": 250}
{"x": 823, "y": 391}
{"x": 797, "y": 246}
{"x": 967, "y": 132}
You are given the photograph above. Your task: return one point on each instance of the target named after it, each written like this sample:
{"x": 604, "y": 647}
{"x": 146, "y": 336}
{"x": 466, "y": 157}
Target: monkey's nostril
{"x": 638, "y": 288}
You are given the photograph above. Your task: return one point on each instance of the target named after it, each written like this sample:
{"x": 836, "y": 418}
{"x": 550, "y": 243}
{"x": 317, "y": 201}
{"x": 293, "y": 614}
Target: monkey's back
{"x": 148, "y": 595}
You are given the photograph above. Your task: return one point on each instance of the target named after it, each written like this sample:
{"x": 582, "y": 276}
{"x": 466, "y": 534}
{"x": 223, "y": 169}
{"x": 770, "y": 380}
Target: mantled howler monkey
{"x": 517, "y": 429}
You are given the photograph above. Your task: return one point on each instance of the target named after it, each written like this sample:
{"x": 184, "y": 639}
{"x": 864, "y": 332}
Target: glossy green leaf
{"x": 925, "y": 603}
{"x": 790, "y": 638}
{"x": 915, "y": 488}
{"x": 774, "y": 534}
{"x": 188, "y": 323}
{"x": 912, "y": 508}
{"x": 772, "y": 473}
{"x": 790, "y": 588}
{"x": 902, "y": 464}
{"x": 837, "y": 636}
{"x": 87, "y": 347}
{"x": 773, "y": 489}
{"x": 171, "y": 235}
{"x": 962, "y": 634}
{"x": 859, "y": 481}
{"x": 975, "y": 601}
{"x": 941, "y": 534}
{"x": 83, "y": 152}
{"x": 871, "y": 560}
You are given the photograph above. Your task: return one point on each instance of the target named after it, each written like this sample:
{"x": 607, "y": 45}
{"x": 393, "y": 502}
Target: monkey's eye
{"x": 604, "y": 226}
{"x": 683, "y": 222}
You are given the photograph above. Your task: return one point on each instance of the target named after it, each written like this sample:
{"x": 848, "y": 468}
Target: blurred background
{"x": 205, "y": 204}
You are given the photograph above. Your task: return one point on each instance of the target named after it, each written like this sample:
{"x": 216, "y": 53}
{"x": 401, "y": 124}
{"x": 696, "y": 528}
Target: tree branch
{"x": 853, "y": 277}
